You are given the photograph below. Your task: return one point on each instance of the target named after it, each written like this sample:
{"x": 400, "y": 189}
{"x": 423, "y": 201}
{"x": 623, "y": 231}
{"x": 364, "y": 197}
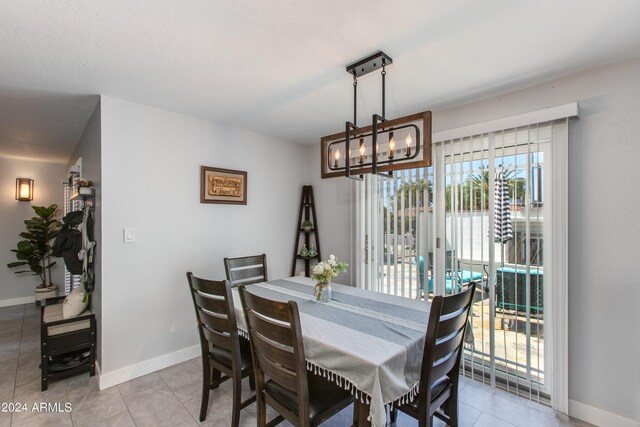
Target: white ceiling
{"x": 277, "y": 66}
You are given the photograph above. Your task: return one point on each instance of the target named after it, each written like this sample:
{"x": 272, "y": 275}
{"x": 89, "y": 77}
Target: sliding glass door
{"x": 481, "y": 214}
{"x": 493, "y": 221}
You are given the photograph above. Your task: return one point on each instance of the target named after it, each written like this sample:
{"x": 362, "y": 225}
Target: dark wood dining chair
{"x": 223, "y": 351}
{"x": 246, "y": 270}
{"x": 441, "y": 361}
{"x": 301, "y": 397}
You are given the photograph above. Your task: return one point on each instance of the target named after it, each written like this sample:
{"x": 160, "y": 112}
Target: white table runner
{"x": 366, "y": 342}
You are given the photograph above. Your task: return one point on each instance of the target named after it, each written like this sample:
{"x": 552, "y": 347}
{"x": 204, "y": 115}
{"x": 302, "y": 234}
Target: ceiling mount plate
{"x": 369, "y": 64}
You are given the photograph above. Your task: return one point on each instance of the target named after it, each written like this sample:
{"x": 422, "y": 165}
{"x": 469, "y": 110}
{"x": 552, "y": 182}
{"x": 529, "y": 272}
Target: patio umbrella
{"x": 502, "y": 224}
{"x": 502, "y": 204}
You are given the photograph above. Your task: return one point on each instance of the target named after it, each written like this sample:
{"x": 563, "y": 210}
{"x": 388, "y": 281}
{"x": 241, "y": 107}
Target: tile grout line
{"x": 127, "y": 406}
{"x": 492, "y": 416}
{"x": 176, "y": 397}
{"x": 512, "y": 401}
{"x": 15, "y": 381}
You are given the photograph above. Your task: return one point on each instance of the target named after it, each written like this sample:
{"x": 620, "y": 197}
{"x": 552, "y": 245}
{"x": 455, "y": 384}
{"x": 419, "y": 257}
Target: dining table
{"x": 366, "y": 342}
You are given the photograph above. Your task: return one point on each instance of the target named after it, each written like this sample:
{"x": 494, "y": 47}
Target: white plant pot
{"x": 44, "y": 293}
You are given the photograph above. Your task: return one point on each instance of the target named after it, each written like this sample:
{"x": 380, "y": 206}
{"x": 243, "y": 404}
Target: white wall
{"x": 47, "y": 190}
{"x": 151, "y": 162}
{"x": 604, "y": 227}
{"x": 88, "y": 149}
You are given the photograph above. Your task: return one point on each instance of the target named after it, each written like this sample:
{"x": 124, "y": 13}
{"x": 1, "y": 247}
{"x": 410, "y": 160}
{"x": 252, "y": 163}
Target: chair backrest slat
{"x": 453, "y": 304}
{"x": 217, "y": 323}
{"x": 214, "y": 305}
{"x": 444, "y": 348}
{"x": 277, "y": 373}
{"x": 267, "y": 309}
{"x": 246, "y": 270}
{"x": 283, "y": 354}
{"x": 444, "y": 367}
{"x": 450, "y": 325}
{"x": 245, "y": 261}
{"x": 217, "y": 338}
{"x": 241, "y": 276}
{"x": 268, "y": 328}
{"x": 209, "y": 287}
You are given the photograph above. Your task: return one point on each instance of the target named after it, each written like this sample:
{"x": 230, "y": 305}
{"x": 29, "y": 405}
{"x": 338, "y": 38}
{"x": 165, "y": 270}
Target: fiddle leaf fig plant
{"x": 34, "y": 251}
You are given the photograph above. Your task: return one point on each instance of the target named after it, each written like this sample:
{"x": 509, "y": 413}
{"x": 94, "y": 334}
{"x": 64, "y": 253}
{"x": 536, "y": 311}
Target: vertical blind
{"x": 416, "y": 248}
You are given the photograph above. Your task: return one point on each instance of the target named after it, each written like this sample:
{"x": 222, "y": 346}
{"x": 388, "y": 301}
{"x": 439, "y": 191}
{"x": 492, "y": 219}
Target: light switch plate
{"x": 129, "y": 235}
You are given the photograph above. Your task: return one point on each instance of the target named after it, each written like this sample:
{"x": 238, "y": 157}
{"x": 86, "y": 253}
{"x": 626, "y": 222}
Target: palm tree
{"x": 474, "y": 191}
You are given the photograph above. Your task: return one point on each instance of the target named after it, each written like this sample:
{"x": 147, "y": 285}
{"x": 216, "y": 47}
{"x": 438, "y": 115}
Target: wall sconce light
{"x": 24, "y": 189}
{"x": 384, "y": 146}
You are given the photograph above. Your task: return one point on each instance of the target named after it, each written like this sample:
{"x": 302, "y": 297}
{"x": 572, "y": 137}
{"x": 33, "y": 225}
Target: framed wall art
{"x": 223, "y": 186}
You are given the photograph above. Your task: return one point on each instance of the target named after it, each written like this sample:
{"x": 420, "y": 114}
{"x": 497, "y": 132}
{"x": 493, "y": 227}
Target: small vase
{"x": 322, "y": 292}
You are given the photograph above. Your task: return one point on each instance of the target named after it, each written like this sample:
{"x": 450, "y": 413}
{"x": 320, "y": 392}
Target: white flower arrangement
{"x": 324, "y": 271}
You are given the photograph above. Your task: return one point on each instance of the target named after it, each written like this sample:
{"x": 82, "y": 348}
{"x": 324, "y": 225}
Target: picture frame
{"x": 223, "y": 186}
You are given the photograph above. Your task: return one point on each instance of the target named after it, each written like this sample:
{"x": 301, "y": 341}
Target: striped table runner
{"x": 366, "y": 342}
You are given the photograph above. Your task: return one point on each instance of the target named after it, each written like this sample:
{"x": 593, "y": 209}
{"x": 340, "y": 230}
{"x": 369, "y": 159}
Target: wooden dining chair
{"x": 301, "y": 397}
{"x": 246, "y": 270}
{"x": 441, "y": 361}
{"x": 223, "y": 351}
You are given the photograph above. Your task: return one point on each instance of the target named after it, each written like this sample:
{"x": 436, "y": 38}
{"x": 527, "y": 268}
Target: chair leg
{"x": 362, "y": 410}
{"x": 262, "y": 410}
{"x": 206, "y": 386}
{"x": 393, "y": 414}
{"x": 452, "y": 408}
{"x": 354, "y": 419}
{"x": 252, "y": 382}
{"x": 237, "y": 400}
{"x": 425, "y": 421}
{"x": 215, "y": 378}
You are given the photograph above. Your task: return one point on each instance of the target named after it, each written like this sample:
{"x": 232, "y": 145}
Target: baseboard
{"x": 17, "y": 301}
{"x": 598, "y": 416}
{"x": 109, "y": 379}
{"x": 98, "y": 370}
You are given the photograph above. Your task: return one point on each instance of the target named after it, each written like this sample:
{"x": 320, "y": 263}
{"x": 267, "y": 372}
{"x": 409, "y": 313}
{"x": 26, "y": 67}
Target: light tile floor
{"x": 171, "y": 397}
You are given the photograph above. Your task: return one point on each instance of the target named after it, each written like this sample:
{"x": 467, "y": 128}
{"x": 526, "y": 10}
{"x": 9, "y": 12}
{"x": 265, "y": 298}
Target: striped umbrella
{"x": 502, "y": 204}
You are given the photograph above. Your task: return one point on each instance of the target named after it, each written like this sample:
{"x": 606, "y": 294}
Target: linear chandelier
{"x": 403, "y": 143}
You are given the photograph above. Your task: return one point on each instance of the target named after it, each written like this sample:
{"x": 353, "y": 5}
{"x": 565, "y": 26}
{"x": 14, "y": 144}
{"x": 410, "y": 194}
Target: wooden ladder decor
{"x": 307, "y": 213}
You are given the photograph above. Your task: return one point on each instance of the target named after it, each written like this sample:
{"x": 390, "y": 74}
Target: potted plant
{"x": 307, "y": 225}
{"x": 85, "y": 187}
{"x": 34, "y": 251}
{"x": 323, "y": 272}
